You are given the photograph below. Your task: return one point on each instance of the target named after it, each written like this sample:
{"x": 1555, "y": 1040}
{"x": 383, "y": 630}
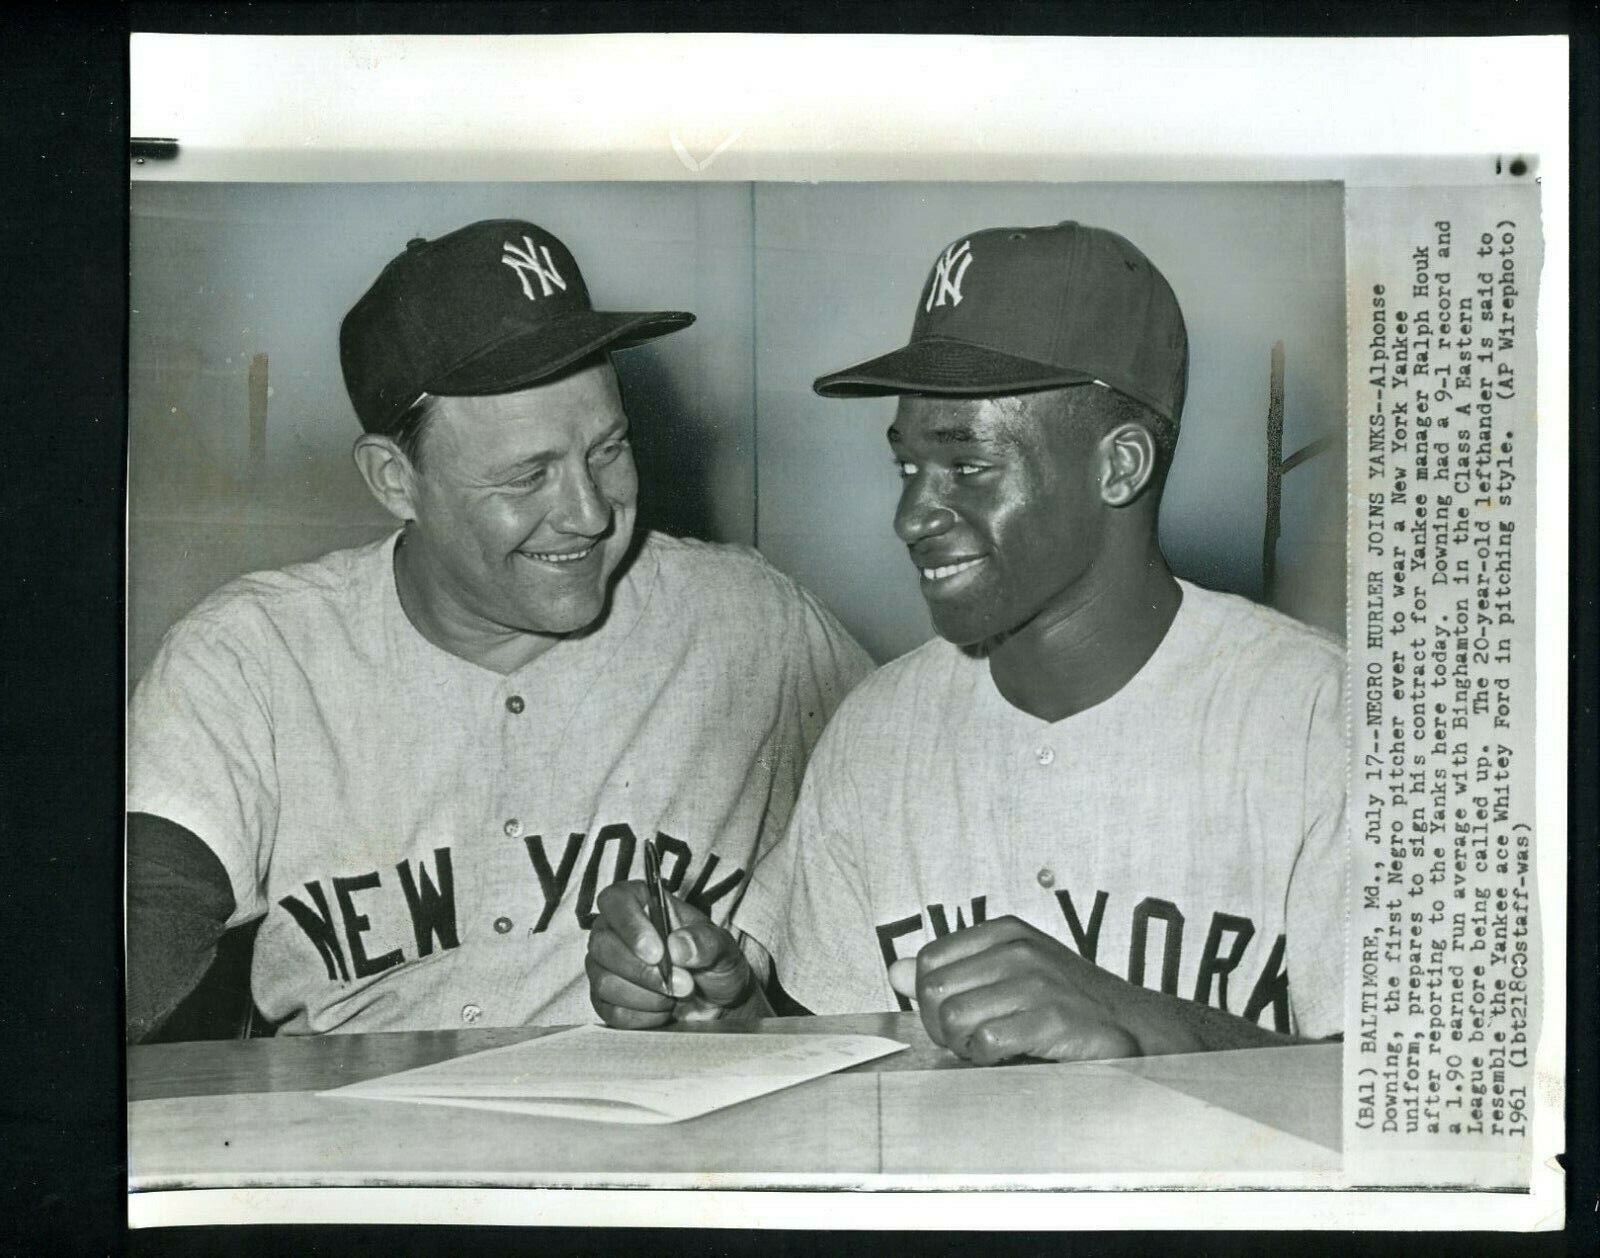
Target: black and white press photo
{"x": 492, "y": 535}
{"x": 965, "y": 685}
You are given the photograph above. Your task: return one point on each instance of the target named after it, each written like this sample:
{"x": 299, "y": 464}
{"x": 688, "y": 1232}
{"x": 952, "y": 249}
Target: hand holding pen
{"x": 655, "y": 959}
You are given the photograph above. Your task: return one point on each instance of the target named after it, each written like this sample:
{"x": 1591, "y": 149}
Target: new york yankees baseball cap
{"x": 1013, "y": 309}
{"x": 490, "y": 308}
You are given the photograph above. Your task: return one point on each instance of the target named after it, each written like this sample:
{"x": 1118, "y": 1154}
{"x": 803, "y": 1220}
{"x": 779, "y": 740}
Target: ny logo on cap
{"x": 947, "y": 273}
{"x": 525, "y": 262}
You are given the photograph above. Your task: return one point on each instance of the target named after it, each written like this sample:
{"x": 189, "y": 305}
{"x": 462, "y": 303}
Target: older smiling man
{"x": 1103, "y": 813}
{"x": 418, "y": 762}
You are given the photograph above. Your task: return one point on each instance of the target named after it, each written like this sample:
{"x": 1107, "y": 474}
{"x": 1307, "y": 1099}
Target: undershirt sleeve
{"x": 1316, "y": 909}
{"x": 179, "y": 902}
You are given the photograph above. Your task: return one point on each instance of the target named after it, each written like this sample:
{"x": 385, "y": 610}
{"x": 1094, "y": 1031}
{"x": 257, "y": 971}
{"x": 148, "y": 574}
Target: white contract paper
{"x": 605, "y": 1075}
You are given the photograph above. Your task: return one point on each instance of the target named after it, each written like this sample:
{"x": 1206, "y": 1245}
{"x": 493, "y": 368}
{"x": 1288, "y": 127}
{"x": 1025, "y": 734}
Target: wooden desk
{"x": 245, "y": 1114}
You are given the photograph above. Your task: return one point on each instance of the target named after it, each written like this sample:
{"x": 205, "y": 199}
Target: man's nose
{"x": 583, "y": 510}
{"x": 921, "y": 514}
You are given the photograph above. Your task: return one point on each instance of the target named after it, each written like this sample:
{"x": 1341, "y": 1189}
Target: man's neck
{"x": 1070, "y": 658}
{"x": 450, "y": 628}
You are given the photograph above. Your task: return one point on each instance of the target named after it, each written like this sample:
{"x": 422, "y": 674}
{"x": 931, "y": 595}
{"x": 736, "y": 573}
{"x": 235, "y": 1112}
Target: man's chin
{"x": 969, "y": 632}
{"x": 977, "y": 624}
{"x": 570, "y": 611}
{"x": 569, "y": 619}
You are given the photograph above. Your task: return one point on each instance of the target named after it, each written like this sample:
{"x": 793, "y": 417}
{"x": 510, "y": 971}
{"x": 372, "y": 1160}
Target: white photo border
{"x": 1393, "y": 112}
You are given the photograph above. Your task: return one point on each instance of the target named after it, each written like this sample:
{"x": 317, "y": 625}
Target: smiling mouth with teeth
{"x": 566, "y": 557}
{"x": 949, "y": 569}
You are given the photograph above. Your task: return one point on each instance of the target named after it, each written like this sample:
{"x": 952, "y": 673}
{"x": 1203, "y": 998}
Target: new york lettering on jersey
{"x": 1150, "y": 941}
{"x": 1185, "y": 835}
{"x": 359, "y": 926}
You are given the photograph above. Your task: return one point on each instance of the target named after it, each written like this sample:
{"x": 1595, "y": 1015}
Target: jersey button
{"x": 470, "y": 1014}
{"x": 502, "y": 925}
{"x": 1045, "y": 755}
{"x": 513, "y": 828}
{"x": 514, "y": 705}
{"x": 1047, "y": 877}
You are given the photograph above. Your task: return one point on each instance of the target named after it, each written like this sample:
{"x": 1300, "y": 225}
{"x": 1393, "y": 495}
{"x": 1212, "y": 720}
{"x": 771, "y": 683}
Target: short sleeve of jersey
{"x": 826, "y": 665}
{"x": 809, "y": 902}
{"x": 823, "y": 664}
{"x": 1317, "y": 899}
{"x": 200, "y": 751}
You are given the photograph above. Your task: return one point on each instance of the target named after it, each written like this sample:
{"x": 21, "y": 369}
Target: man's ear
{"x": 388, "y": 473}
{"x": 1128, "y": 463}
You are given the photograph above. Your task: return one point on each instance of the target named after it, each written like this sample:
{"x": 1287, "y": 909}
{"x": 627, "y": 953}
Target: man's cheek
{"x": 619, "y": 482}
{"x": 507, "y": 517}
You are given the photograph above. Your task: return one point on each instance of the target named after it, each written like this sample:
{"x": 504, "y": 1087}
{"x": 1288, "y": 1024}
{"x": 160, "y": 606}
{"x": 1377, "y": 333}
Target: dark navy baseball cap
{"x": 491, "y": 308}
{"x": 1014, "y": 309}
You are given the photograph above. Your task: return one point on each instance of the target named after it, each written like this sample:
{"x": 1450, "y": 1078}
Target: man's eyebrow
{"x": 513, "y": 467}
{"x": 527, "y": 460}
{"x": 537, "y": 458}
{"x": 955, "y": 435}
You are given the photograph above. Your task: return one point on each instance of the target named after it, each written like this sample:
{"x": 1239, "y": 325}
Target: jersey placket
{"x": 505, "y": 907}
{"x": 1040, "y": 829}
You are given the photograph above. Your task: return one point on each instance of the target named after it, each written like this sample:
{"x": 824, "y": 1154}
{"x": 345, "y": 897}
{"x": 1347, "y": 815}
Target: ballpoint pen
{"x": 657, "y": 907}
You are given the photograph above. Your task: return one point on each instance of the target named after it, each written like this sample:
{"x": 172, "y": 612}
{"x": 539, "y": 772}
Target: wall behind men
{"x": 788, "y": 281}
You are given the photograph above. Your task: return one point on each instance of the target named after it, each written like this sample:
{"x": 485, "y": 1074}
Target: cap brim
{"x": 941, "y": 365}
{"x": 529, "y": 356}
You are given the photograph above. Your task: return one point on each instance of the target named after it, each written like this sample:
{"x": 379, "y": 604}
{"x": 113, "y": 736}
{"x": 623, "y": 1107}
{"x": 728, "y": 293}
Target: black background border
{"x": 63, "y": 323}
